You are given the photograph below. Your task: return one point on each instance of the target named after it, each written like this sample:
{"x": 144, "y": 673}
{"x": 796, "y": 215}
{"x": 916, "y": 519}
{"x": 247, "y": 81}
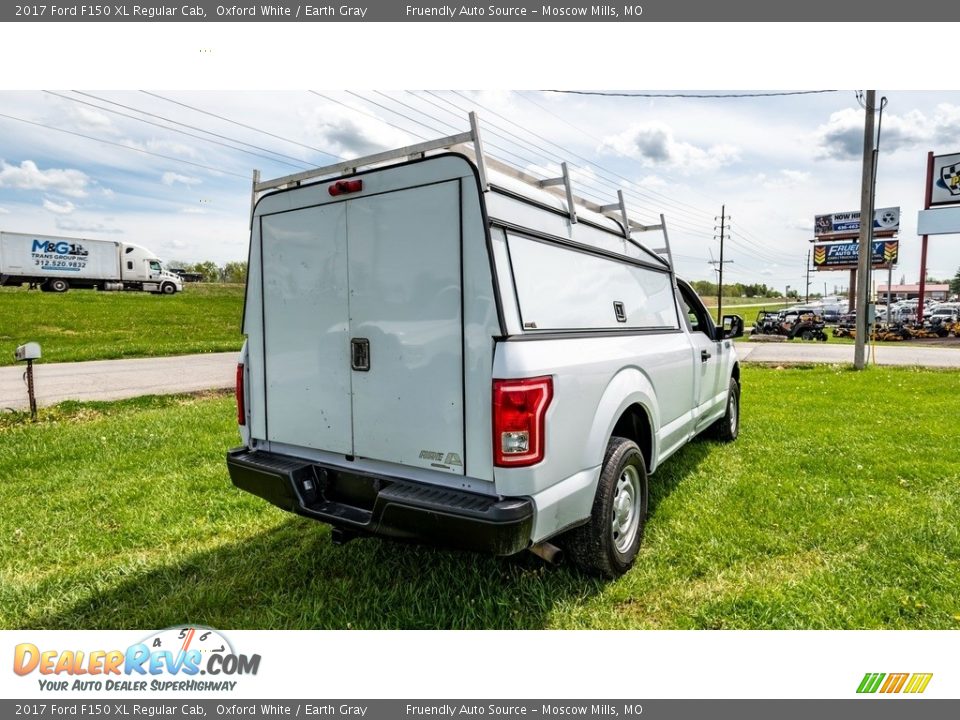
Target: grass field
{"x": 90, "y": 325}
{"x": 830, "y": 511}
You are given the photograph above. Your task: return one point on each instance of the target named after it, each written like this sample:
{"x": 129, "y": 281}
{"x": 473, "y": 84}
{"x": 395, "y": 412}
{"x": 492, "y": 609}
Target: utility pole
{"x": 723, "y": 226}
{"x": 866, "y": 228}
{"x": 807, "y": 301}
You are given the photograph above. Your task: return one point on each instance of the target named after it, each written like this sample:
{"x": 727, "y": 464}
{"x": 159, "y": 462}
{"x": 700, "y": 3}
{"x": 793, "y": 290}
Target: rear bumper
{"x": 389, "y": 507}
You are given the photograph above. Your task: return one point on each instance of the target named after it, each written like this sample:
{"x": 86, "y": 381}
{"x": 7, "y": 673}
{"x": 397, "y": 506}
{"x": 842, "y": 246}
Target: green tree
{"x": 235, "y": 272}
{"x": 955, "y": 283}
{"x": 209, "y": 269}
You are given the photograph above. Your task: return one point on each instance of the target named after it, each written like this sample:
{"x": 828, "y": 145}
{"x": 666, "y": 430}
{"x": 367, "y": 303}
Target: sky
{"x": 171, "y": 169}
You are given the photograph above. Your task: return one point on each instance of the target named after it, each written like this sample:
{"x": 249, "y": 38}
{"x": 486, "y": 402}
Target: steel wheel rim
{"x": 626, "y": 509}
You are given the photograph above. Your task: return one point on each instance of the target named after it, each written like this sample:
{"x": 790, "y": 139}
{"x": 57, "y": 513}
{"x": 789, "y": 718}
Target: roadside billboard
{"x": 843, "y": 256}
{"x": 886, "y": 221}
{"x": 945, "y": 180}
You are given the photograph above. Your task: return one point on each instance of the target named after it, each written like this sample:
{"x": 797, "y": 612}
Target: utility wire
{"x": 369, "y": 115}
{"x": 300, "y": 166}
{"x": 584, "y": 180}
{"x": 432, "y": 129}
{"x": 653, "y": 195}
{"x": 699, "y": 96}
{"x": 125, "y": 147}
{"x": 243, "y": 125}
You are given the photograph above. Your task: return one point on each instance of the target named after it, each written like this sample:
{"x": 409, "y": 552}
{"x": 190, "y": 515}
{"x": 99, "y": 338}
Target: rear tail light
{"x": 519, "y": 409}
{"x": 241, "y": 403}
{"x": 344, "y": 187}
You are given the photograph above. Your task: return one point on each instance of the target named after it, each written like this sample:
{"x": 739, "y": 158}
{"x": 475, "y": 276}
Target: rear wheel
{"x": 607, "y": 545}
{"x": 58, "y": 285}
{"x": 807, "y": 335}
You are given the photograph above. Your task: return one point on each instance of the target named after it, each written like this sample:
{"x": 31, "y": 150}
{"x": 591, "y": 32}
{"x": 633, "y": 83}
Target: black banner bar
{"x": 501, "y": 11}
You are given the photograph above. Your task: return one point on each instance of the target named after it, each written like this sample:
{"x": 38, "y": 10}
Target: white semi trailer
{"x": 56, "y": 264}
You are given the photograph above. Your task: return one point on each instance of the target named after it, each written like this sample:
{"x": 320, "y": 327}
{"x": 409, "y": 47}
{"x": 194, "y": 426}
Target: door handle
{"x": 360, "y": 354}
{"x": 704, "y": 356}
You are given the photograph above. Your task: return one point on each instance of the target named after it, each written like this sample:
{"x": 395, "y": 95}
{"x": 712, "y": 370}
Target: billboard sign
{"x": 843, "y": 256}
{"x": 945, "y": 188}
{"x": 886, "y": 221}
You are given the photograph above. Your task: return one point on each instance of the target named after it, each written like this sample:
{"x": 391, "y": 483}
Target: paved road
{"x": 814, "y": 352}
{"x": 116, "y": 379}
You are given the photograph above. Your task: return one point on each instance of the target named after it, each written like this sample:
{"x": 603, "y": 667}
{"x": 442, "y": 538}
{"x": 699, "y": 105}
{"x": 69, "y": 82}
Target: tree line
{"x": 231, "y": 272}
{"x": 705, "y": 288}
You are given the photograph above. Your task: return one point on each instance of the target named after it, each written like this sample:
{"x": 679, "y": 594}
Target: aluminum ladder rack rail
{"x": 470, "y": 143}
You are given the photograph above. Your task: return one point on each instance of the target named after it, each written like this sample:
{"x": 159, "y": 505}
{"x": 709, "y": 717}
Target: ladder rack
{"x": 471, "y": 144}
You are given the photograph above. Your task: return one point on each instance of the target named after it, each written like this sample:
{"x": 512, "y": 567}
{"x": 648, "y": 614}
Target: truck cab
{"x": 438, "y": 350}
{"x": 138, "y": 266}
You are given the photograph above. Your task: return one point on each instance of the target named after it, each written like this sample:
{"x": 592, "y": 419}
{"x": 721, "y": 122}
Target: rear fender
{"x": 628, "y": 387}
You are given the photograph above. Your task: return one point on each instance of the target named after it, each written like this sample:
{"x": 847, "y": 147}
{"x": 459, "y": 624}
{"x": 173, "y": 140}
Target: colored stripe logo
{"x": 914, "y": 683}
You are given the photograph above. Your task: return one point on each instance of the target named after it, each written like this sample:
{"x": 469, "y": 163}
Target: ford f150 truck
{"x": 442, "y": 349}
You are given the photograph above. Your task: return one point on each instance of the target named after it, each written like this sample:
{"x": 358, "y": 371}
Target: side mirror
{"x": 730, "y": 327}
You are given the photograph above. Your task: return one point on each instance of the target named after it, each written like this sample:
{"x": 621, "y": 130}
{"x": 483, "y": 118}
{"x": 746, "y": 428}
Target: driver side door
{"x": 709, "y": 386}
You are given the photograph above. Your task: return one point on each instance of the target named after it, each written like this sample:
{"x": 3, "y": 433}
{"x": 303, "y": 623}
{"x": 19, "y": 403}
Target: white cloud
{"x": 170, "y": 178}
{"x": 77, "y": 226}
{"x": 783, "y": 180}
{"x": 27, "y": 176}
{"x": 193, "y": 211}
{"x": 652, "y": 182}
{"x": 654, "y": 145}
{"x": 841, "y": 137}
{"x": 350, "y": 134}
{"x": 87, "y": 119}
{"x": 168, "y": 147}
{"x": 64, "y": 208}
{"x": 4, "y": 211}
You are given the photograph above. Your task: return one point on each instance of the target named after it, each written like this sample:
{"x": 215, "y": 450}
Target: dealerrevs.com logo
{"x": 890, "y": 683}
{"x": 172, "y": 659}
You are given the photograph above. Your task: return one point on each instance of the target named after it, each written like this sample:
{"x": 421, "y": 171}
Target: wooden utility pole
{"x": 866, "y": 226}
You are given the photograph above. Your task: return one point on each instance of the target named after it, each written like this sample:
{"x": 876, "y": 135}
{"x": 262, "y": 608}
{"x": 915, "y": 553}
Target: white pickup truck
{"x": 441, "y": 352}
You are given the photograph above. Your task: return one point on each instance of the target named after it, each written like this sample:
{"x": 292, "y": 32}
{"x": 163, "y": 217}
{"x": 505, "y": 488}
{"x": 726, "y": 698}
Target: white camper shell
{"x": 442, "y": 349}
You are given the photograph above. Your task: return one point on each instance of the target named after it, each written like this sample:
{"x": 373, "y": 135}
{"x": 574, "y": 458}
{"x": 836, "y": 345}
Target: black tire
{"x": 597, "y": 547}
{"x": 168, "y": 288}
{"x": 806, "y": 335}
{"x": 727, "y": 428}
{"x": 58, "y": 285}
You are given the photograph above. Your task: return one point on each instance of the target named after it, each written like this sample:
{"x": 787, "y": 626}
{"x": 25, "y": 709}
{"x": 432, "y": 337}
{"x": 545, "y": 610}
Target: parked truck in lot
{"x": 440, "y": 348}
{"x": 56, "y": 264}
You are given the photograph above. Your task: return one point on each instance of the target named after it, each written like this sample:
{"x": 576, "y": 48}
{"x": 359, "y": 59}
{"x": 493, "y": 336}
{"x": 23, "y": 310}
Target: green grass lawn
{"x": 91, "y": 325}
{"x": 836, "y": 508}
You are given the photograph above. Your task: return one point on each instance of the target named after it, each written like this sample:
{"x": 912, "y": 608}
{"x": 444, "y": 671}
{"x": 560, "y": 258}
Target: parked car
{"x": 436, "y": 352}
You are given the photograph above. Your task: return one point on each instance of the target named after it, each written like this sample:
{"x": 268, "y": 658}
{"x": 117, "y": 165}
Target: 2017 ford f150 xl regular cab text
{"x": 441, "y": 349}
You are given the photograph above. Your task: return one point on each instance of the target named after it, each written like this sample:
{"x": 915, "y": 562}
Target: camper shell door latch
{"x": 360, "y": 354}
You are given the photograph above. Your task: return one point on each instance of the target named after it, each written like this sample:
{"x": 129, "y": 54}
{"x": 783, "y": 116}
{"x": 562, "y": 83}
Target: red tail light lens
{"x": 344, "y": 187}
{"x": 241, "y": 403}
{"x": 519, "y": 409}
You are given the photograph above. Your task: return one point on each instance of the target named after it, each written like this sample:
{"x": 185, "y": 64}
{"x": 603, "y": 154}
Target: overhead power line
{"x": 243, "y": 125}
{"x": 125, "y": 147}
{"x": 301, "y": 164}
{"x": 697, "y": 96}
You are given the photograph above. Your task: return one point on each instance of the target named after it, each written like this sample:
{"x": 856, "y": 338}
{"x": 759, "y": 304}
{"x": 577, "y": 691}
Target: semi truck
{"x": 56, "y": 264}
